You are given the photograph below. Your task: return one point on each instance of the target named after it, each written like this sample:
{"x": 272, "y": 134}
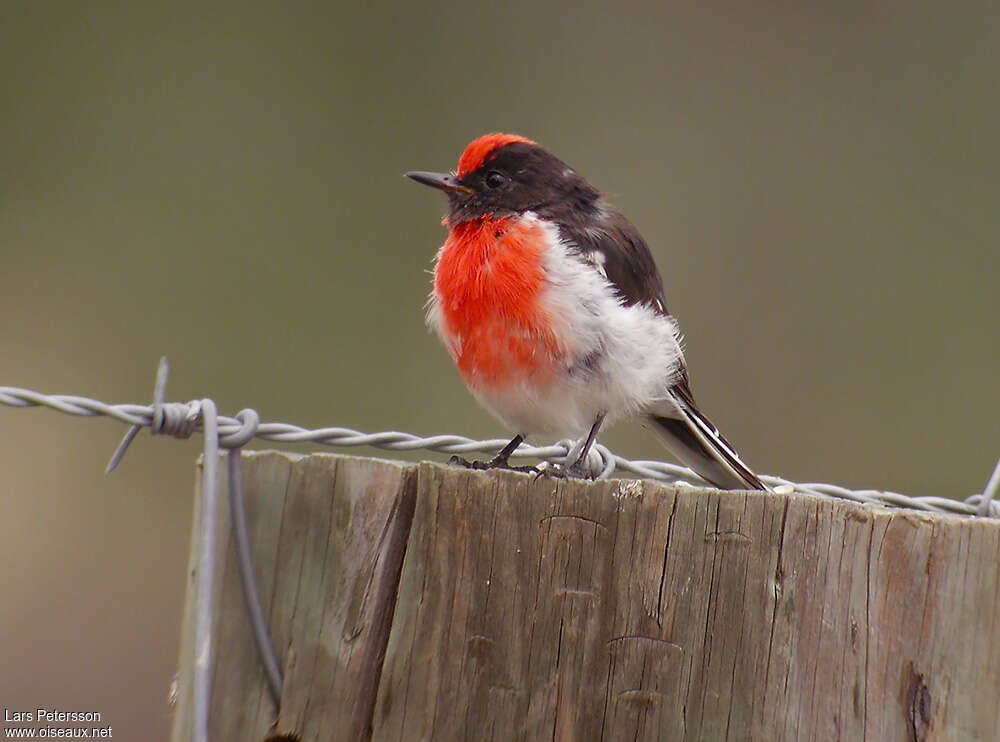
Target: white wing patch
{"x": 597, "y": 259}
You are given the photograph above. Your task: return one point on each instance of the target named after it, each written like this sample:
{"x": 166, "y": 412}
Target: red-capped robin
{"x": 551, "y": 306}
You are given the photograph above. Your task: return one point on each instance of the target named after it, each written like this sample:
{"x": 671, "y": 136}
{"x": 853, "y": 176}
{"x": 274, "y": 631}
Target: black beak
{"x": 443, "y": 181}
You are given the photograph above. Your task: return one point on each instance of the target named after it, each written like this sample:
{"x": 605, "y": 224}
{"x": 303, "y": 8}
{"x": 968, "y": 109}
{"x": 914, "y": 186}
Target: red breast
{"x": 489, "y": 282}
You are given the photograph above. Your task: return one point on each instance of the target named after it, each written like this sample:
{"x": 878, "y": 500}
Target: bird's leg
{"x": 576, "y": 470}
{"x": 500, "y": 461}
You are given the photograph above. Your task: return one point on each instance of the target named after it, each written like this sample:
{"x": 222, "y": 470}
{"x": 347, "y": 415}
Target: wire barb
{"x": 181, "y": 420}
{"x": 178, "y": 420}
{"x": 990, "y": 492}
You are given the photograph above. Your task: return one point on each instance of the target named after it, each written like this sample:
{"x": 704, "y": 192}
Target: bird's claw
{"x": 491, "y": 464}
{"x": 558, "y": 471}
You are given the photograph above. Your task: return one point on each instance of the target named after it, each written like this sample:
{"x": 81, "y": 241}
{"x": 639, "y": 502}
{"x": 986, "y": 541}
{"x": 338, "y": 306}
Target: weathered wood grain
{"x": 423, "y": 602}
{"x": 328, "y": 535}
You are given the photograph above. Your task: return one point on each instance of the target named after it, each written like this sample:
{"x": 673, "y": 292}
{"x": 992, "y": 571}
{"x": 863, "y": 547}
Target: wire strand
{"x": 601, "y": 460}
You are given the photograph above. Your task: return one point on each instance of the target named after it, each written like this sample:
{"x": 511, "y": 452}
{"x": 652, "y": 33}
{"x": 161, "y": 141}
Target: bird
{"x": 551, "y": 306}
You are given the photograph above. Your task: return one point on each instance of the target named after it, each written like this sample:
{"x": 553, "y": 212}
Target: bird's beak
{"x": 443, "y": 181}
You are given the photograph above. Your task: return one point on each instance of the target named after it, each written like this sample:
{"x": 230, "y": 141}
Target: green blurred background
{"x": 818, "y": 184}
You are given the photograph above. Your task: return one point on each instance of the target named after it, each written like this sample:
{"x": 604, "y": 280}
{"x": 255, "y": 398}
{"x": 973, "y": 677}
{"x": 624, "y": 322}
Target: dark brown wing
{"x": 615, "y": 248}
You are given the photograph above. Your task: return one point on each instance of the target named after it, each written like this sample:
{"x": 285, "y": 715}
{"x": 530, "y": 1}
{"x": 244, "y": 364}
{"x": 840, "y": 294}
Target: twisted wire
{"x": 181, "y": 419}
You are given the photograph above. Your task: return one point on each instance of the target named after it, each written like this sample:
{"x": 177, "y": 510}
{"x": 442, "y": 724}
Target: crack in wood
{"x": 918, "y": 706}
{"x": 390, "y": 561}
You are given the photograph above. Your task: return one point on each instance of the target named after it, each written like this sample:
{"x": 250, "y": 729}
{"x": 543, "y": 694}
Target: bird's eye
{"x": 495, "y": 179}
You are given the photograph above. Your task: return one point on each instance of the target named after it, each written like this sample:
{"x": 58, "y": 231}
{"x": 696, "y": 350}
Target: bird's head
{"x": 506, "y": 174}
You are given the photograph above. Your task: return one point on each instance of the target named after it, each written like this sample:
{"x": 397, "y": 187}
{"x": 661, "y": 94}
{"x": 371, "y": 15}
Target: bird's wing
{"x": 614, "y": 247}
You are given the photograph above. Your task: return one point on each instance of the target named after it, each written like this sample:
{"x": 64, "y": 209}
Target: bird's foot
{"x": 558, "y": 471}
{"x": 494, "y": 463}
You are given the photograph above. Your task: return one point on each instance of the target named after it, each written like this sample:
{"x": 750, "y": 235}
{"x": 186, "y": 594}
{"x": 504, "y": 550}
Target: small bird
{"x": 551, "y": 307}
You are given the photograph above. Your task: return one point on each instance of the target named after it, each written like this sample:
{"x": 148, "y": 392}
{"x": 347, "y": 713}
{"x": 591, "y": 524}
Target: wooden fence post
{"x": 421, "y": 602}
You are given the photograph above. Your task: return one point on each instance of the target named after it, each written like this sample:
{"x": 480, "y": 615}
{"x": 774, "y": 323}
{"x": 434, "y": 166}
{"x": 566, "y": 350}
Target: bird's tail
{"x": 694, "y": 440}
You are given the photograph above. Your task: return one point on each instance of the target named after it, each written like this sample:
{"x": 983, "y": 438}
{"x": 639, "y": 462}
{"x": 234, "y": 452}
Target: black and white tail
{"x": 694, "y": 440}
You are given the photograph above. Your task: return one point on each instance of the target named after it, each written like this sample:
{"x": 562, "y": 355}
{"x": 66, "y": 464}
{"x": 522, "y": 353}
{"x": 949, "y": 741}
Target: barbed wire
{"x": 183, "y": 419}
{"x": 232, "y": 433}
